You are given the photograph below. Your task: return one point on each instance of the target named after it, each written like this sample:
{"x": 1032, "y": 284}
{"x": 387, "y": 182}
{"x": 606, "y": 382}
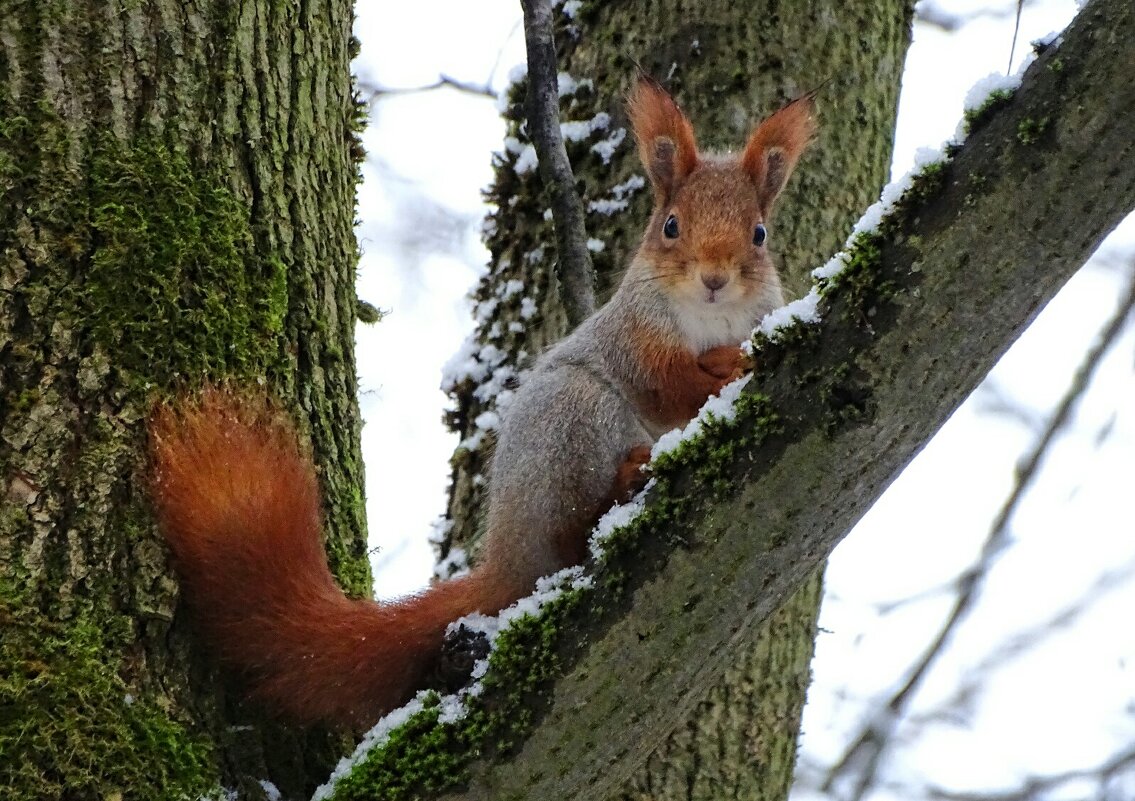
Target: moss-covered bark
{"x": 176, "y": 205}
{"x": 728, "y": 64}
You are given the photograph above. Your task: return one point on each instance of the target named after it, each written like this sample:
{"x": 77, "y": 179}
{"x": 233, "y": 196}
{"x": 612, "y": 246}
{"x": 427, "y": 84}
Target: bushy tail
{"x": 239, "y": 506}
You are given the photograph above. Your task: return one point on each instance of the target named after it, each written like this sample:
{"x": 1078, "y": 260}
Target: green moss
{"x": 844, "y": 398}
{"x": 368, "y": 313}
{"x": 978, "y": 186}
{"x": 924, "y": 186}
{"x": 1029, "y": 130}
{"x": 175, "y": 287}
{"x": 793, "y": 337}
{"x": 70, "y": 725}
{"x": 347, "y": 555}
{"x": 975, "y": 118}
{"x": 861, "y": 284}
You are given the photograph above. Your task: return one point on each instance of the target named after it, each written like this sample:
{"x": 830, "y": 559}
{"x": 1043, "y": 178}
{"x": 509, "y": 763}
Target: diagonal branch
{"x": 576, "y": 275}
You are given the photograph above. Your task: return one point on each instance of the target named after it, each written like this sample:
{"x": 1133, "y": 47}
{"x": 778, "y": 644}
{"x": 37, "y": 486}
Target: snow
{"x": 615, "y": 518}
{"x": 456, "y": 563}
{"x": 571, "y": 8}
{"x": 720, "y": 407}
{"x": 803, "y": 310}
{"x": 566, "y": 85}
{"x": 606, "y": 148}
{"x": 892, "y": 192}
{"x": 511, "y": 287}
{"x": 378, "y": 735}
{"x": 527, "y": 161}
{"x": 619, "y": 195}
{"x": 488, "y": 421}
{"x": 608, "y": 206}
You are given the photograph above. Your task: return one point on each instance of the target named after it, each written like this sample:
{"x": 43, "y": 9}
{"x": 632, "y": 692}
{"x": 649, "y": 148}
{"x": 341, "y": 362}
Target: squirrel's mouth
{"x": 716, "y": 296}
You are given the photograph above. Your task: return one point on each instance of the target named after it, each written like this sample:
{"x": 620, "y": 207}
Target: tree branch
{"x": 375, "y": 92}
{"x": 574, "y": 701}
{"x": 576, "y": 275}
{"x": 1037, "y": 787}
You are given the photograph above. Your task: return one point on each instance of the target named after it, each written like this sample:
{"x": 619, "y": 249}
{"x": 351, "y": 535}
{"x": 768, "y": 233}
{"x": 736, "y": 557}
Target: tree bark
{"x": 930, "y": 300}
{"x": 176, "y": 205}
{"x": 729, "y": 65}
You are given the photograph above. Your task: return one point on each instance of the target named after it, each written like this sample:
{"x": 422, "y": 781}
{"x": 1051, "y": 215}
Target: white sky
{"x": 1067, "y": 702}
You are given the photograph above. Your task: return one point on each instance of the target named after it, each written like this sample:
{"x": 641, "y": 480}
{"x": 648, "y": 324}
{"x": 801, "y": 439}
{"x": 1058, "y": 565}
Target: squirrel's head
{"x": 708, "y": 236}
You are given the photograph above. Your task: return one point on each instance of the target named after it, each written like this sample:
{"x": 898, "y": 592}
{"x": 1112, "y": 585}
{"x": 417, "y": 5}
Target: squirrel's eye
{"x": 670, "y": 227}
{"x": 759, "y": 234}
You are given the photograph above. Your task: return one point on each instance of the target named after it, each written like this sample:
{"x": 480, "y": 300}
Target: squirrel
{"x": 239, "y": 504}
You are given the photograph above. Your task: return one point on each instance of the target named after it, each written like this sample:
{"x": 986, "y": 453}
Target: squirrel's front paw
{"x": 725, "y": 362}
{"x": 630, "y": 477}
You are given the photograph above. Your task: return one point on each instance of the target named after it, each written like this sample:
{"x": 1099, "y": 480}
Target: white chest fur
{"x": 704, "y": 325}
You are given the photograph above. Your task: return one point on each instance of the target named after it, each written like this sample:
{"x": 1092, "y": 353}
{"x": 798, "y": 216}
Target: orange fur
{"x": 630, "y": 477}
{"x": 657, "y": 120}
{"x": 725, "y": 362}
{"x": 775, "y": 146}
{"x": 674, "y": 385}
{"x": 239, "y": 506}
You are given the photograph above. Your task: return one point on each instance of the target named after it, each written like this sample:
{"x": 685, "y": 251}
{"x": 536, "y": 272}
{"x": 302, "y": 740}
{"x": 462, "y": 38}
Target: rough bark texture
{"x": 176, "y": 204}
{"x": 729, "y": 65}
{"x": 925, "y": 307}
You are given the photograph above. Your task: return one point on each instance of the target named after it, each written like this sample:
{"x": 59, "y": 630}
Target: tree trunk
{"x": 176, "y": 206}
{"x": 728, "y": 65}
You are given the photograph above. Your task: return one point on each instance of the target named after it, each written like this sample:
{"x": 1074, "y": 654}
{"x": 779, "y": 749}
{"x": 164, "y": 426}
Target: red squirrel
{"x": 239, "y": 504}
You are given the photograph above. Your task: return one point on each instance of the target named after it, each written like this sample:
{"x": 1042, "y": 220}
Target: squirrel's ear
{"x": 776, "y": 145}
{"x": 664, "y": 135}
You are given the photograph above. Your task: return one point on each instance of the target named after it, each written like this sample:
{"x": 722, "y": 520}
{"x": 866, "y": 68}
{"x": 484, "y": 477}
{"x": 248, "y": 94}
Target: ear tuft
{"x": 775, "y": 147}
{"x": 665, "y": 137}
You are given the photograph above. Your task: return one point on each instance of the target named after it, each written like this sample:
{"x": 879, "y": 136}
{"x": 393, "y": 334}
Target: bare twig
{"x": 1016, "y": 31}
{"x": 1037, "y": 787}
{"x": 865, "y": 751}
{"x": 932, "y": 13}
{"x": 577, "y": 277}
{"x": 374, "y": 92}
{"x": 1017, "y": 644}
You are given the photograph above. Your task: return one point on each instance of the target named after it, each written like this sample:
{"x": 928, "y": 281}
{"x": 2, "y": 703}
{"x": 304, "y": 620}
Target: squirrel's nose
{"x": 714, "y": 281}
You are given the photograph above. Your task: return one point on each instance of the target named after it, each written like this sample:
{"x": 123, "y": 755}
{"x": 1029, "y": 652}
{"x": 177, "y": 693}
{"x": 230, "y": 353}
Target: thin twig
{"x": 1016, "y": 31}
{"x": 868, "y": 747}
{"x": 1019, "y": 642}
{"x": 577, "y": 277}
{"x": 1036, "y": 787}
{"x": 374, "y": 92}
